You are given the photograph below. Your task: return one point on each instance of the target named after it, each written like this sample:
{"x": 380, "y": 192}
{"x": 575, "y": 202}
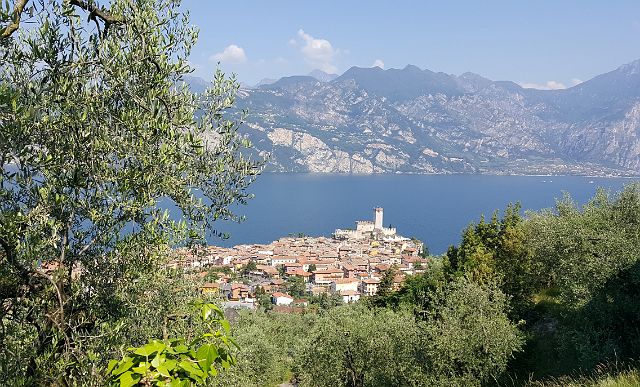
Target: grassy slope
{"x": 629, "y": 378}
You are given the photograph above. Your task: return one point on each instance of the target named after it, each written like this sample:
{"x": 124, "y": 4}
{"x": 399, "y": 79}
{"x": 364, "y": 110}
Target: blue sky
{"x": 545, "y": 43}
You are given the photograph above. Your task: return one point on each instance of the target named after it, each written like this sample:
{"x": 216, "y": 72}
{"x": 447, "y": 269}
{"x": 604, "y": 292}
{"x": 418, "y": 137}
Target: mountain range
{"x": 410, "y": 120}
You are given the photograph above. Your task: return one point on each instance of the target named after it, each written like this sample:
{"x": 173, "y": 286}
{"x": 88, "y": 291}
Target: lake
{"x": 432, "y": 208}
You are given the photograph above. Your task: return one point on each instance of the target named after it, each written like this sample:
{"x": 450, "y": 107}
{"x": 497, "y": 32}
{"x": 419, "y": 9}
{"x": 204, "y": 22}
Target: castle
{"x": 366, "y": 229}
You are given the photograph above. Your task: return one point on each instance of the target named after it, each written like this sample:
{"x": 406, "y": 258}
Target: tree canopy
{"x": 99, "y": 138}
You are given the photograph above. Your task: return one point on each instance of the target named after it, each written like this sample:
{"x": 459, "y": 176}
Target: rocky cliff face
{"x": 417, "y": 121}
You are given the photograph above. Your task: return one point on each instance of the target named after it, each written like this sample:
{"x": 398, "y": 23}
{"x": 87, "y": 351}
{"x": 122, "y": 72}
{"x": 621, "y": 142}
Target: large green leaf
{"x": 142, "y": 368}
{"x": 206, "y": 355}
{"x": 129, "y": 379}
{"x": 157, "y": 360}
{"x": 178, "y": 349}
{"x": 225, "y": 324}
{"x": 163, "y": 370}
{"x": 150, "y": 348}
{"x": 124, "y": 366}
{"x": 112, "y": 365}
{"x": 192, "y": 369}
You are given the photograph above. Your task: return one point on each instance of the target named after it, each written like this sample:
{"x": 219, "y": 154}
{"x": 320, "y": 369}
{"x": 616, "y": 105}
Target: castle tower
{"x": 378, "y": 218}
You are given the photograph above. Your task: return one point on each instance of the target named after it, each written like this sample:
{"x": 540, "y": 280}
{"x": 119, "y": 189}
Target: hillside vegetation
{"x": 550, "y": 299}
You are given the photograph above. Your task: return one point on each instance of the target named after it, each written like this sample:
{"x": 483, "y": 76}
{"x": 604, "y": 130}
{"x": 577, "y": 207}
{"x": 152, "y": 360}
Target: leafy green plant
{"x": 109, "y": 161}
{"x": 174, "y": 362}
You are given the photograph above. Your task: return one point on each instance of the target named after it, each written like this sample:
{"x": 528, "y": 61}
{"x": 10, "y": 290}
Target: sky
{"x": 541, "y": 43}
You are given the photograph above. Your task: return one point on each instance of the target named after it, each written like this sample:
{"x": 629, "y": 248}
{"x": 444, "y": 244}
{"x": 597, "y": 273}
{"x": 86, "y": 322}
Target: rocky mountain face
{"x": 370, "y": 120}
{"x": 322, "y": 76}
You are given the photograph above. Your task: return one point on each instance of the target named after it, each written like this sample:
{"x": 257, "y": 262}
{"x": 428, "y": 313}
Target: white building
{"x": 278, "y": 260}
{"x": 368, "y": 230}
{"x": 227, "y": 260}
{"x": 369, "y": 286}
{"x": 341, "y": 285}
{"x": 350, "y": 296}
{"x": 281, "y": 298}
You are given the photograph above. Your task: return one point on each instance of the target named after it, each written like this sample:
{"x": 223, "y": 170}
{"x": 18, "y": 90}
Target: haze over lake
{"x": 433, "y": 208}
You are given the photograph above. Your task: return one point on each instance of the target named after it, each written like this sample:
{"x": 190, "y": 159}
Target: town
{"x": 288, "y": 271}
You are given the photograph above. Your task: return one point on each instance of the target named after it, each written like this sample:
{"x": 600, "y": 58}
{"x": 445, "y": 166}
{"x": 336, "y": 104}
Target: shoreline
{"x": 608, "y": 176}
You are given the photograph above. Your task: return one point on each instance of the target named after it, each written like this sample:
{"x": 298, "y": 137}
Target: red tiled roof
{"x": 279, "y": 294}
{"x": 301, "y": 273}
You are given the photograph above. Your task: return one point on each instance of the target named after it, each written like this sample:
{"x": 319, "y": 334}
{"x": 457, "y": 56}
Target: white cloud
{"x": 549, "y": 85}
{"x": 231, "y": 54}
{"x": 293, "y": 42}
{"x": 576, "y": 81}
{"x": 318, "y": 52}
{"x": 378, "y": 63}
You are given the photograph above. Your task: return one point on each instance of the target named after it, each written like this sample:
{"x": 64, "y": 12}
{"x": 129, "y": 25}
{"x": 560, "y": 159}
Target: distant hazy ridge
{"x": 370, "y": 120}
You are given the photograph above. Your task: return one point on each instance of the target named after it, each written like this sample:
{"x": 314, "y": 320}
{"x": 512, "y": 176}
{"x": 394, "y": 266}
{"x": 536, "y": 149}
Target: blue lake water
{"x": 433, "y": 208}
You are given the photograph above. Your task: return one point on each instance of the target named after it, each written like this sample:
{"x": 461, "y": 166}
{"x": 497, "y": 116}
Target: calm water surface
{"x": 433, "y": 208}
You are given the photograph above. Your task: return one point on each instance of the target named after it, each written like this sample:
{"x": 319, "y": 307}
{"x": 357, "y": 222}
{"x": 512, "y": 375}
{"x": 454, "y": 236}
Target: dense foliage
{"x": 99, "y": 136}
{"x": 175, "y": 362}
{"x": 572, "y": 277}
{"x": 459, "y": 333}
{"x": 465, "y": 339}
{"x": 497, "y": 252}
{"x": 270, "y": 346}
{"x": 590, "y": 260}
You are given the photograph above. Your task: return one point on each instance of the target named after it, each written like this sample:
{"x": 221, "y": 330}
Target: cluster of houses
{"x": 350, "y": 267}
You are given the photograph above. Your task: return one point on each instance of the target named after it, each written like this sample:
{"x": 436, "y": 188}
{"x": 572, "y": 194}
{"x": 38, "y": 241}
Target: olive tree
{"x": 581, "y": 248}
{"x": 99, "y": 137}
{"x": 355, "y": 346}
{"x": 467, "y": 336}
{"x": 270, "y": 346}
{"x": 590, "y": 256}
